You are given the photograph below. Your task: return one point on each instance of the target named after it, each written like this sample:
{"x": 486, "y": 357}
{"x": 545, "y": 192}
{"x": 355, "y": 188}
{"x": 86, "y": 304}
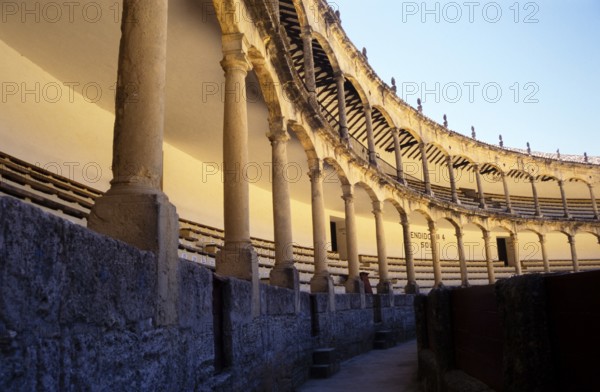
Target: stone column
{"x": 353, "y": 284}
{"x": 489, "y": 261}
{"x": 283, "y": 274}
{"x": 135, "y": 209}
{"x": 464, "y": 277}
{"x": 544, "y": 252}
{"x": 411, "y": 282}
{"x": 573, "y": 253}
{"x": 275, "y": 5}
{"x": 309, "y": 64}
{"x": 321, "y": 282}
{"x": 593, "y": 198}
{"x": 426, "y": 179}
{"x": 341, "y": 95}
{"x": 563, "y": 196}
{"x": 516, "y": 253}
{"x": 385, "y": 285}
{"x": 237, "y": 258}
{"x": 398, "y": 155}
{"x": 479, "y": 187}
{"x": 452, "y": 179}
{"x": 370, "y": 136}
{"x": 506, "y": 193}
{"x": 536, "y": 202}
{"x": 435, "y": 255}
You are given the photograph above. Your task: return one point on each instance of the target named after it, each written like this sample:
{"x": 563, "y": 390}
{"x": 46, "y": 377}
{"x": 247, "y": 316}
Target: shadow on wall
{"x": 77, "y": 311}
{"x": 528, "y": 333}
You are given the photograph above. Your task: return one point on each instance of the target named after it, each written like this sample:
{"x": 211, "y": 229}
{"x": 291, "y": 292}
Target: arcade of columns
{"x": 137, "y": 162}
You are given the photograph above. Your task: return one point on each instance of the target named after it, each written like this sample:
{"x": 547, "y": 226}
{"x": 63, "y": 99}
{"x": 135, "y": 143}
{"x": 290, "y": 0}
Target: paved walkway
{"x": 394, "y": 369}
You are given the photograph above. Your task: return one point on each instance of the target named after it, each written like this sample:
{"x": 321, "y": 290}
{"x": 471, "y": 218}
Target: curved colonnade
{"x": 324, "y": 91}
{"x": 321, "y": 94}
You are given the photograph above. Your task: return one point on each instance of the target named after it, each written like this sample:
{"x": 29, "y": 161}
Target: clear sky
{"x": 527, "y": 70}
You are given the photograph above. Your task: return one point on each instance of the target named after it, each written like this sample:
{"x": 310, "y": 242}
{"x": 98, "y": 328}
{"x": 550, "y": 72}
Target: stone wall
{"x": 77, "y": 308}
{"x": 528, "y": 333}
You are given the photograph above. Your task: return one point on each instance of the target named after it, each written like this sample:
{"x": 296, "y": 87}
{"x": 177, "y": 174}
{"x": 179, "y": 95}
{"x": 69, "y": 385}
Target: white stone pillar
{"x": 435, "y": 255}
{"x": 283, "y": 274}
{"x": 309, "y": 63}
{"x": 237, "y": 258}
{"x": 574, "y": 258}
{"x": 426, "y": 178}
{"x": 506, "y": 193}
{"x": 343, "y": 119}
{"x": 353, "y": 284}
{"x": 489, "y": 261}
{"x": 135, "y": 209}
{"x": 462, "y": 259}
{"x": 398, "y": 156}
{"x": 593, "y": 198}
{"x": 385, "y": 285}
{"x": 536, "y": 202}
{"x": 563, "y": 196}
{"x": 452, "y": 179}
{"x": 480, "y": 192}
{"x": 370, "y": 136}
{"x": 516, "y": 253}
{"x": 321, "y": 282}
{"x": 411, "y": 282}
{"x": 542, "y": 238}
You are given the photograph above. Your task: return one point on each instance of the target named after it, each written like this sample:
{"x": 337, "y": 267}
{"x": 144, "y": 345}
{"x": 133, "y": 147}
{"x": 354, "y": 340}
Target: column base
{"x": 411, "y": 288}
{"x": 238, "y": 260}
{"x": 149, "y": 222}
{"x": 354, "y": 286}
{"x": 321, "y": 283}
{"x": 285, "y": 276}
{"x": 385, "y": 288}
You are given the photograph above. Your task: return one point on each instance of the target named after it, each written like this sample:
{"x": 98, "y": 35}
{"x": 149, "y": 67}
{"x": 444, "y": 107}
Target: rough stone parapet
{"x": 77, "y": 313}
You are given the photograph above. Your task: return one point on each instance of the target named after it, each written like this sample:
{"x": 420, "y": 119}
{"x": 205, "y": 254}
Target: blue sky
{"x": 485, "y": 66}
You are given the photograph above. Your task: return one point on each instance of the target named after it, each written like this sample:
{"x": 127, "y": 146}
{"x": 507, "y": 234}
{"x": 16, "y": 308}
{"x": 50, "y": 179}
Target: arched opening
{"x": 579, "y": 198}
{"x": 559, "y": 252}
{"x": 503, "y": 252}
{"x": 588, "y": 250}
{"x": 475, "y": 254}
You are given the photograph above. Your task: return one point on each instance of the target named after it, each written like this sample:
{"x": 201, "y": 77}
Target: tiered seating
{"x": 47, "y": 190}
{"x": 200, "y": 243}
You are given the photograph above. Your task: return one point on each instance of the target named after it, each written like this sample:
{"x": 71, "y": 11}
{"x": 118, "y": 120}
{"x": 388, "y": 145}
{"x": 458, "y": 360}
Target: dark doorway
{"x": 502, "y": 250}
{"x": 334, "y": 243}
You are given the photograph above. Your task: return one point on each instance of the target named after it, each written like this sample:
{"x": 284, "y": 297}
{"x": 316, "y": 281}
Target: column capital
{"x": 458, "y": 233}
{"x": 235, "y": 54}
{"x": 542, "y": 238}
{"x": 280, "y": 136}
{"x": 514, "y": 237}
{"x": 432, "y": 228}
{"x": 377, "y": 207}
{"x": 404, "y": 220}
{"x": 339, "y": 75}
{"x": 368, "y": 109}
{"x": 561, "y": 183}
{"x": 236, "y": 61}
{"x": 487, "y": 234}
{"x": 395, "y": 131}
{"x": 307, "y": 31}
{"x": 315, "y": 167}
{"x": 571, "y": 239}
{"x": 347, "y": 191}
